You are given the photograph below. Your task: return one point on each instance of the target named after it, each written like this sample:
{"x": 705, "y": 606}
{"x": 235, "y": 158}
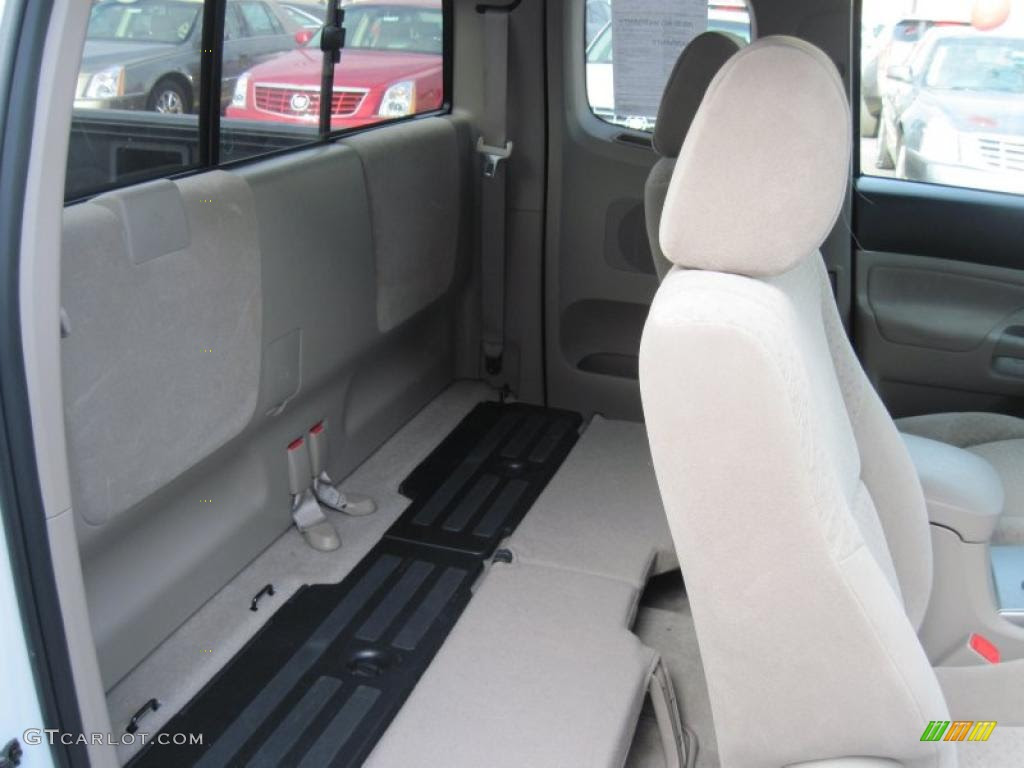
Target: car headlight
{"x": 399, "y": 100}
{"x": 241, "y": 91}
{"x": 106, "y": 84}
{"x": 940, "y": 142}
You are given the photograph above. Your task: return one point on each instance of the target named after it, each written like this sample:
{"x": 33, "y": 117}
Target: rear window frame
{"x": 209, "y": 135}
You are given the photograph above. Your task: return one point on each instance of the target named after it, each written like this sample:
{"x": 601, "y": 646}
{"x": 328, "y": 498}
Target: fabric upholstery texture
{"x": 692, "y": 74}
{"x": 1004, "y": 749}
{"x": 809, "y": 592}
{"x": 655, "y": 190}
{"x": 161, "y": 285}
{"x": 993, "y": 690}
{"x": 415, "y": 258}
{"x": 541, "y": 670}
{"x": 995, "y": 437}
{"x": 763, "y": 122}
{"x": 963, "y": 491}
{"x": 777, "y": 434}
{"x": 601, "y": 513}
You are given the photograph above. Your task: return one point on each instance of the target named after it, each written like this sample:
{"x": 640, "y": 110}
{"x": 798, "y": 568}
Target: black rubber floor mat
{"x": 323, "y": 679}
{"x": 477, "y": 485}
{"x": 321, "y": 682}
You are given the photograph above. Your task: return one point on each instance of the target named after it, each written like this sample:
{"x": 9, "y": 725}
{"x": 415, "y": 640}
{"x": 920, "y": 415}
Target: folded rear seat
{"x": 601, "y": 513}
{"x": 541, "y": 670}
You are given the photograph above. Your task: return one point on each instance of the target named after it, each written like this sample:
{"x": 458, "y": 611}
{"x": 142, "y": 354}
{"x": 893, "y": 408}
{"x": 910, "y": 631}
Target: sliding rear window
{"x": 142, "y": 82}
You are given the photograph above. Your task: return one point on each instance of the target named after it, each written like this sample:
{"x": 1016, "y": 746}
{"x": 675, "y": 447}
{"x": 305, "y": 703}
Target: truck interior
{"x": 592, "y": 383}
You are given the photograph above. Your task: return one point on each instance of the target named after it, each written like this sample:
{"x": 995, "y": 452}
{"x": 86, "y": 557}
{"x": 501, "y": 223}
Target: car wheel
{"x": 883, "y": 160}
{"x": 169, "y": 97}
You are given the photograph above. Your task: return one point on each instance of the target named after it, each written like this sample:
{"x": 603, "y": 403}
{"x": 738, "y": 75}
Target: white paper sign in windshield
{"x": 647, "y": 38}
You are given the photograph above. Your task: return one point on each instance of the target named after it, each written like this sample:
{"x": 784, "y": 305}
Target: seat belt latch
{"x": 492, "y": 156}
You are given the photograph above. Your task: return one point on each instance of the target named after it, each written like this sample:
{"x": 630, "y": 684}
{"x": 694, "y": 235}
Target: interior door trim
{"x": 967, "y": 225}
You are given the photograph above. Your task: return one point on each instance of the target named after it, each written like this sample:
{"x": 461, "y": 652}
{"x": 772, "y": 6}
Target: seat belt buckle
{"x": 493, "y": 156}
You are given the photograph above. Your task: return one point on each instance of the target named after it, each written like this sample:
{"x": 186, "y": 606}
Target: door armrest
{"x": 963, "y": 491}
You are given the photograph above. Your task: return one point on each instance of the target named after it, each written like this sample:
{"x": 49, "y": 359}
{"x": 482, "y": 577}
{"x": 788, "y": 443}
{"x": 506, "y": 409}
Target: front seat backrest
{"x": 696, "y": 66}
{"x": 794, "y": 508}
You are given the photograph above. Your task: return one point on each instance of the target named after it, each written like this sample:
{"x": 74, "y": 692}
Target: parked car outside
{"x": 145, "y": 54}
{"x": 955, "y": 113}
{"x": 896, "y": 47}
{"x": 391, "y": 66}
{"x": 306, "y": 15}
{"x": 872, "y": 40}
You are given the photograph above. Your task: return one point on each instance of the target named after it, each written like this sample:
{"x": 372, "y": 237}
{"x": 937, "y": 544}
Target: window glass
{"x": 135, "y": 98}
{"x": 272, "y": 46}
{"x": 626, "y": 74}
{"x": 138, "y": 89}
{"x": 233, "y": 28}
{"x": 942, "y": 92}
{"x": 307, "y": 16}
{"x": 258, "y": 19}
{"x": 392, "y": 66}
{"x": 599, "y": 13}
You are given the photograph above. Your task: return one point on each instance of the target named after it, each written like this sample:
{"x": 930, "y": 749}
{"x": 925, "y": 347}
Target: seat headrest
{"x": 763, "y": 173}
{"x": 692, "y": 74}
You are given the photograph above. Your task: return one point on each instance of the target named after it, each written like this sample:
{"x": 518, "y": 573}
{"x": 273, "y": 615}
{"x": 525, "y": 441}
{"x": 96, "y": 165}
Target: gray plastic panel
{"x": 596, "y": 183}
{"x": 938, "y": 335}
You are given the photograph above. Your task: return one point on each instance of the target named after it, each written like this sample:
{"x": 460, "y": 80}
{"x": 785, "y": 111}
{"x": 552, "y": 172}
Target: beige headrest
{"x": 763, "y": 173}
{"x": 695, "y": 68}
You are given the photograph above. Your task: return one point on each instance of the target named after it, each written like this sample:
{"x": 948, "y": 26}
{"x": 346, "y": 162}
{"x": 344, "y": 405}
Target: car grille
{"x": 304, "y": 102}
{"x": 1005, "y": 153}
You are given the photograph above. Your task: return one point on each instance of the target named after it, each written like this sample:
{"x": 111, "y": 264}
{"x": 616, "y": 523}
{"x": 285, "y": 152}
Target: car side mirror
{"x": 303, "y": 36}
{"x": 900, "y": 72}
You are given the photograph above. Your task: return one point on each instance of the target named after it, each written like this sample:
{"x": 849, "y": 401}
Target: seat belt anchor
{"x": 492, "y": 156}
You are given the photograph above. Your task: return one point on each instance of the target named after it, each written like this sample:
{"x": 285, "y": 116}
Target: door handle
{"x": 1008, "y": 352}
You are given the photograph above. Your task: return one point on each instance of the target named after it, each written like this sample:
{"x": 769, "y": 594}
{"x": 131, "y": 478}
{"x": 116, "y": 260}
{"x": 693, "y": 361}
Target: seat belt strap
{"x": 494, "y": 147}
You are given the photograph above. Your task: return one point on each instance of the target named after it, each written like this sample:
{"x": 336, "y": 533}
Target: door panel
{"x": 938, "y": 334}
{"x": 599, "y": 277}
{"x": 939, "y": 316}
{"x": 966, "y": 225}
{"x": 939, "y": 271}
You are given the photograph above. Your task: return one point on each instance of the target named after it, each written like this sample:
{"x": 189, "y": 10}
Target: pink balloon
{"x": 989, "y": 14}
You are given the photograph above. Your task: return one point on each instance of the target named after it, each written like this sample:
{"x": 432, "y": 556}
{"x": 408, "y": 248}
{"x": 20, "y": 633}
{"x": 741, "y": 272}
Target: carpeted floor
{"x": 190, "y": 657}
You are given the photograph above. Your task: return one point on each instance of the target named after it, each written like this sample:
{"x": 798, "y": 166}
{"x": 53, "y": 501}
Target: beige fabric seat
{"x": 794, "y": 507}
{"x": 995, "y": 437}
{"x": 690, "y": 77}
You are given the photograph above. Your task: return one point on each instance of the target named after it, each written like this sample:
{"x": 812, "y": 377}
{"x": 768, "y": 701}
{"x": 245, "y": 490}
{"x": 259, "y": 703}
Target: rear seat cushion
{"x": 602, "y": 512}
{"x": 161, "y": 285}
{"x": 541, "y": 670}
